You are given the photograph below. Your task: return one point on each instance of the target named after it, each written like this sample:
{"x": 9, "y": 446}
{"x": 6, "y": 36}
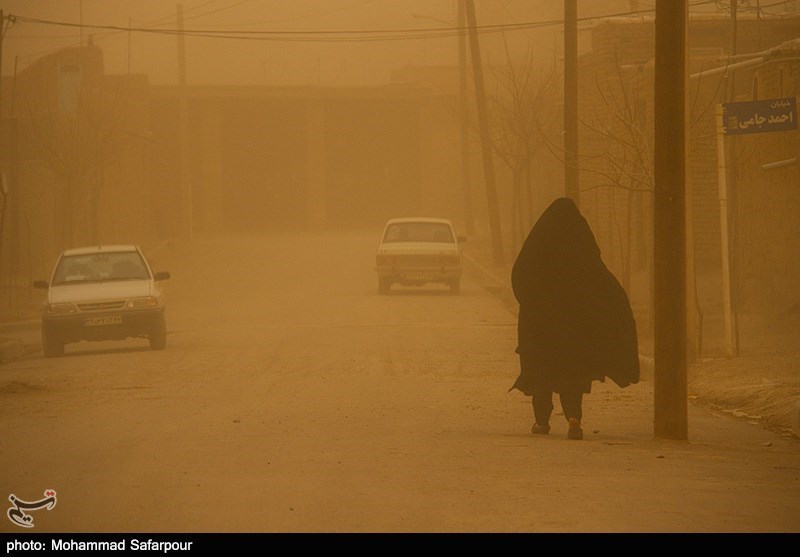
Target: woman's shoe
{"x": 575, "y": 431}
{"x": 540, "y": 429}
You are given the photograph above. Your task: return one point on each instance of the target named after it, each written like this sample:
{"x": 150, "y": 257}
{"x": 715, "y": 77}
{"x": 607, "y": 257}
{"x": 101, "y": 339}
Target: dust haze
{"x": 255, "y": 152}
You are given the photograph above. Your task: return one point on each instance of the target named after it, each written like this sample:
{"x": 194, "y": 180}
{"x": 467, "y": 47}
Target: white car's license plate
{"x": 418, "y": 276}
{"x": 104, "y": 320}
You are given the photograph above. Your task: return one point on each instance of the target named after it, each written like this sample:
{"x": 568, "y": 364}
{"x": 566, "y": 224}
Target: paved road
{"x": 293, "y": 398}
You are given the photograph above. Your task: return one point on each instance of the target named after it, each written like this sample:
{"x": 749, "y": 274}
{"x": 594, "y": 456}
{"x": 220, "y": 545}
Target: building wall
{"x": 621, "y": 59}
{"x": 78, "y": 170}
{"x": 264, "y": 159}
{"x": 766, "y": 215}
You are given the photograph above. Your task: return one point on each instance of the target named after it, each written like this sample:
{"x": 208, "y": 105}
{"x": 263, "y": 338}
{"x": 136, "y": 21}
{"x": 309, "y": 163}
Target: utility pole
{"x": 185, "y": 183}
{"x": 571, "y": 181}
{"x": 129, "y": 46}
{"x": 80, "y": 20}
{"x": 466, "y": 174}
{"x": 6, "y": 158}
{"x": 2, "y": 35}
{"x": 3, "y": 189}
{"x": 670, "y": 387}
{"x": 486, "y": 145}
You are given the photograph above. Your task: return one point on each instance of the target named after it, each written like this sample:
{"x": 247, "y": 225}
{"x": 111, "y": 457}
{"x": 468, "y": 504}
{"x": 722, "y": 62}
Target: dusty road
{"x": 293, "y": 398}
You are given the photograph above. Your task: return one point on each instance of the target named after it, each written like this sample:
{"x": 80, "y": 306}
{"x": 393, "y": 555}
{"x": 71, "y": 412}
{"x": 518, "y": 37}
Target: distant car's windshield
{"x": 419, "y": 232}
{"x": 95, "y": 267}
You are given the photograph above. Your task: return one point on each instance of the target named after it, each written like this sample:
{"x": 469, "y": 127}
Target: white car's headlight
{"x": 145, "y": 302}
{"x": 55, "y": 309}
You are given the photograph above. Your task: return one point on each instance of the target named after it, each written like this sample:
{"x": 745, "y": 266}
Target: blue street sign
{"x": 769, "y": 115}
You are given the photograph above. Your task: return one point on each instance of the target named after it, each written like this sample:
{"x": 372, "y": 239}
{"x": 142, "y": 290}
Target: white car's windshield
{"x": 95, "y": 267}
{"x": 419, "y": 232}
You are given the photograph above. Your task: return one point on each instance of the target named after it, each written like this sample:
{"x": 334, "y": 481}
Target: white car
{"x": 415, "y": 251}
{"x": 102, "y": 293}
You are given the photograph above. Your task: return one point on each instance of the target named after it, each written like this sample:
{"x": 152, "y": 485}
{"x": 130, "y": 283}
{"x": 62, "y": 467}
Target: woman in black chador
{"x": 575, "y": 320}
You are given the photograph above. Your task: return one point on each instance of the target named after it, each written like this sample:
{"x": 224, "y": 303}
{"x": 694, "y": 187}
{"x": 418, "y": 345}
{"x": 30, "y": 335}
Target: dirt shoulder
{"x": 762, "y": 383}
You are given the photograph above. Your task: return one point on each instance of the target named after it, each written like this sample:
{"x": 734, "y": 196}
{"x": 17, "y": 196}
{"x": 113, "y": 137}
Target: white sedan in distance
{"x": 415, "y": 251}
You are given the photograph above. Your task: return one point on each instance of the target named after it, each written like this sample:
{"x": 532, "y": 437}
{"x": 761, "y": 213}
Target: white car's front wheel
{"x": 52, "y": 346}
{"x": 158, "y": 335}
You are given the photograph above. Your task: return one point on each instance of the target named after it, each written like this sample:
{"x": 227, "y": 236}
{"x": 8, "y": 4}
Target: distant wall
{"x": 270, "y": 159}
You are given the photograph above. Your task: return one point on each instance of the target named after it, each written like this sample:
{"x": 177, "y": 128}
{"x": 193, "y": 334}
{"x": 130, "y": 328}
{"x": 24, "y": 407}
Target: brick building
{"x": 616, "y": 112}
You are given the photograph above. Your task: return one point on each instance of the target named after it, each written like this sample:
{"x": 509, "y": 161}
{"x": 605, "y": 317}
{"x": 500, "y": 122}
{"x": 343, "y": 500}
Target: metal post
{"x": 723, "y": 226}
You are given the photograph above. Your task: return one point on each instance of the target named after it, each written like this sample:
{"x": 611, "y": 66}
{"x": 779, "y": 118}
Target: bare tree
{"x": 521, "y": 111}
{"x": 76, "y": 145}
{"x": 624, "y": 150}
{"x": 623, "y": 153}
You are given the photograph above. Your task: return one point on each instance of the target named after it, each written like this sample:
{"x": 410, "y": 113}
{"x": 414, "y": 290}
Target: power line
{"x": 309, "y": 34}
{"x": 361, "y": 35}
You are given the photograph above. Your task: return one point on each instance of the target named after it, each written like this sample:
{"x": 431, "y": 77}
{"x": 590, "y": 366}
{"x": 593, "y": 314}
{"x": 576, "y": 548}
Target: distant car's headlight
{"x": 146, "y": 302}
{"x": 55, "y": 309}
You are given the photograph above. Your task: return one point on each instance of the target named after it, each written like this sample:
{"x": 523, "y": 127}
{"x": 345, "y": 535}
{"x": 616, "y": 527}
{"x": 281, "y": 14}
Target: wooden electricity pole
{"x": 670, "y": 389}
{"x": 185, "y": 182}
{"x": 571, "y": 181}
{"x": 3, "y": 192}
{"x": 466, "y": 173}
{"x": 486, "y": 144}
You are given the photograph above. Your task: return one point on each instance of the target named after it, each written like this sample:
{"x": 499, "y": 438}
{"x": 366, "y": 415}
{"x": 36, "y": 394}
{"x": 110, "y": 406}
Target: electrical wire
{"x": 362, "y": 35}
{"x": 369, "y": 35}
